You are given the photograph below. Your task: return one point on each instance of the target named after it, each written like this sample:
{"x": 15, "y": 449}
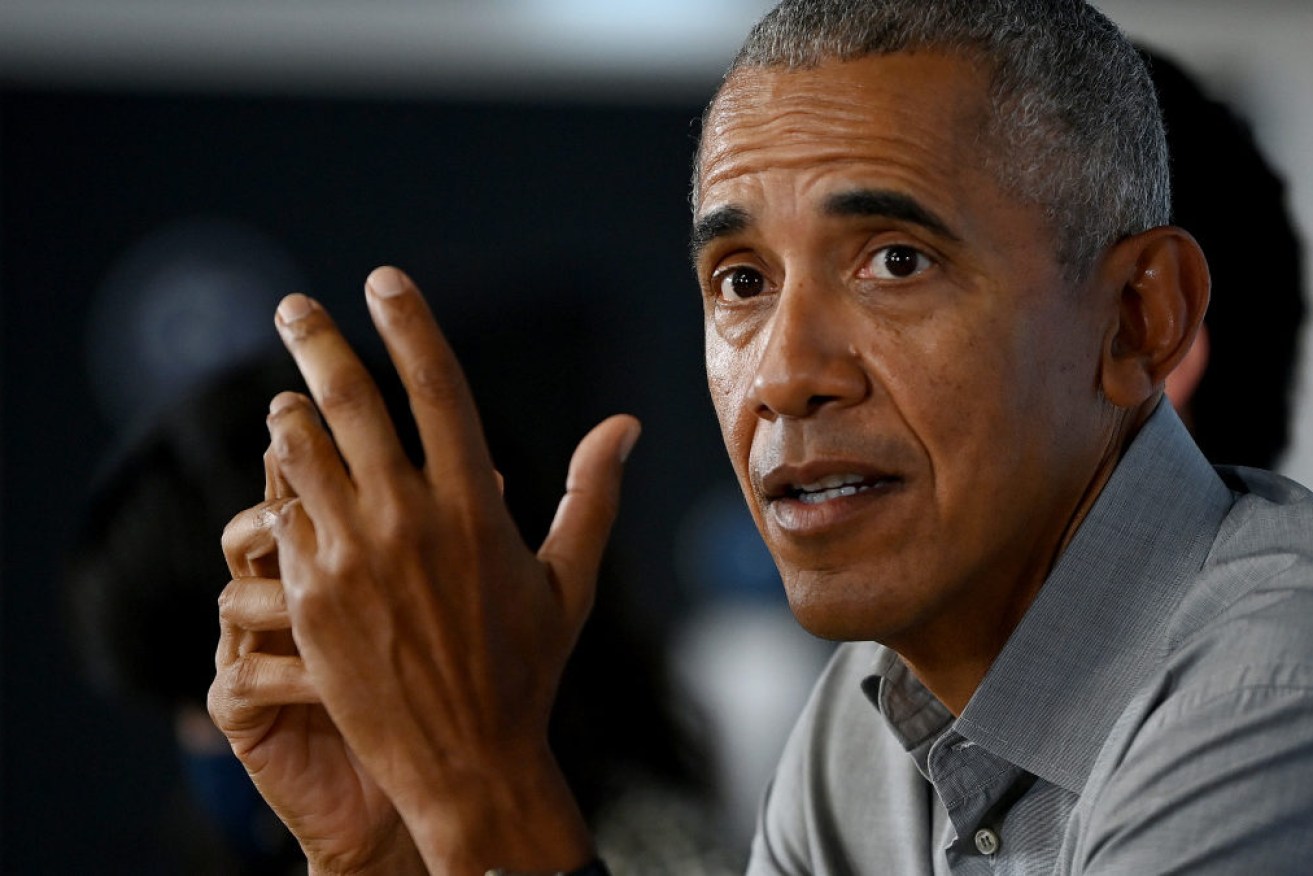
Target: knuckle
{"x": 232, "y": 530}
{"x": 350, "y": 392}
{"x": 289, "y": 445}
{"x": 228, "y": 596}
{"x": 222, "y": 700}
{"x": 242, "y": 680}
{"x": 342, "y": 560}
{"x": 437, "y": 385}
{"x": 311, "y": 605}
{"x": 396, "y": 527}
{"x": 237, "y": 532}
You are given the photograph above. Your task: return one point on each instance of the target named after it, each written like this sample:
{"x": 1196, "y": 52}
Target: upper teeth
{"x": 830, "y": 482}
{"x": 831, "y": 487}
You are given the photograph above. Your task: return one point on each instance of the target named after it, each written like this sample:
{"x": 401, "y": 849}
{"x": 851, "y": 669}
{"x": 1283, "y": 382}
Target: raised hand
{"x": 431, "y": 634}
{"x": 264, "y": 703}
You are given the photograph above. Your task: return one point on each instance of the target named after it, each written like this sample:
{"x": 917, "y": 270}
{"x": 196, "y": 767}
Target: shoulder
{"x": 1272, "y": 516}
{"x": 1252, "y": 599}
{"x": 1210, "y": 767}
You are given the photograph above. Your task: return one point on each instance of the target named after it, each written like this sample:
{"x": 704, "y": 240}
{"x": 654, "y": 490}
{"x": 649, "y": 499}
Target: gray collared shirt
{"x": 1151, "y": 713}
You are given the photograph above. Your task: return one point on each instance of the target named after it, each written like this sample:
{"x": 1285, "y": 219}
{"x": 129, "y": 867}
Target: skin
{"x": 877, "y": 304}
{"x": 390, "y": 649}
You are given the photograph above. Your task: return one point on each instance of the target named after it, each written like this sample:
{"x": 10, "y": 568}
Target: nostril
{"x": 808, "y": 363}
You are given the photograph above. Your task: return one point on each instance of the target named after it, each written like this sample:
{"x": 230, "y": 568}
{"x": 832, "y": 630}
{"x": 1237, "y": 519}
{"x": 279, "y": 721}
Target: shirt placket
{"x": 975, "y": 788}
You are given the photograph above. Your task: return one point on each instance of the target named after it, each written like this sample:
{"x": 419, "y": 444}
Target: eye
{"x": 897, "y": 262}
{"x": 739, "y": 283}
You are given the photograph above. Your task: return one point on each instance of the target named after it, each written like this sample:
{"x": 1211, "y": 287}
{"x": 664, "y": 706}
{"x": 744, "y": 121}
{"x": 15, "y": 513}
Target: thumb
{"x": 574, "y": 544}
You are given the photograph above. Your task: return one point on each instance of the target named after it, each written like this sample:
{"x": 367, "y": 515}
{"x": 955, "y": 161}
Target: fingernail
{"x": 386, "y": 282}
{"x": 295, "y": 306}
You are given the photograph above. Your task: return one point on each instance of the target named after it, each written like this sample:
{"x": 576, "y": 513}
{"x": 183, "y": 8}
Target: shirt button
{"x": 986, "y": 841}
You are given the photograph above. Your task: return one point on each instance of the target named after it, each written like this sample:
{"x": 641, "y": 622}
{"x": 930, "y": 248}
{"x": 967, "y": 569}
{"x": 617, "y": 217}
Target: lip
{"x": 854, "y": 488}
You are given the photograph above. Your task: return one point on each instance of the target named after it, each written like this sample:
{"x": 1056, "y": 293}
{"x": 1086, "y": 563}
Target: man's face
{"x": 906, "y": 382}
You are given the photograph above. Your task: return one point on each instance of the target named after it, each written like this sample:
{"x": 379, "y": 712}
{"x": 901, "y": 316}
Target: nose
{"x": 809, "y": 360}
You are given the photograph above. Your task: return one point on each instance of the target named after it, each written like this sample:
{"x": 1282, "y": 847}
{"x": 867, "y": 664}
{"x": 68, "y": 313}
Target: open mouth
{"x": 839, "y": 485}
{"x": 832, "y": 487}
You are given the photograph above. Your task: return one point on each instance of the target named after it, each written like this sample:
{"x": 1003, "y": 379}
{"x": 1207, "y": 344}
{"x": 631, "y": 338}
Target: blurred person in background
{"x": 1234, "y": 389}
{"x": 138, "y": 586}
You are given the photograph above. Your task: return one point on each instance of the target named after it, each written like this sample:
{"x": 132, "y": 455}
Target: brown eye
{"x": 740, "y": 283}
{"x": 898, "y": 262}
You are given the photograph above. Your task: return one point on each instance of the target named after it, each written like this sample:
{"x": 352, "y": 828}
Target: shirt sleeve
{"x": 774, "y": 848}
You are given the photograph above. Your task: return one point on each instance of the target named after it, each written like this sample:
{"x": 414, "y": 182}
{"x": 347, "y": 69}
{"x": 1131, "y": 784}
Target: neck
{"x": 952, "y": 656}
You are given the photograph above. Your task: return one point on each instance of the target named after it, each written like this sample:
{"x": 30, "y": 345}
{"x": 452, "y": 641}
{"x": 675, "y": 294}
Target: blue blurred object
{"x": 720, "y": 555}
{"x": 184, "y": 303}
{"x": 224, "y": 791}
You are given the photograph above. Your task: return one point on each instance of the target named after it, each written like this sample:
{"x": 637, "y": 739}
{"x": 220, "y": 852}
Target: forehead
{"x": 918, "y": 118}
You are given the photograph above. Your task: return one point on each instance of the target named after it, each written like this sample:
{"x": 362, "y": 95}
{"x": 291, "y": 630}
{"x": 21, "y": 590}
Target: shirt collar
{"x": 1095, "y": 631}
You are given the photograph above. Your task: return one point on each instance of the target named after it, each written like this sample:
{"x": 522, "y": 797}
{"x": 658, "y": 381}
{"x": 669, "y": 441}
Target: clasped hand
{"x": 390, "y": 649}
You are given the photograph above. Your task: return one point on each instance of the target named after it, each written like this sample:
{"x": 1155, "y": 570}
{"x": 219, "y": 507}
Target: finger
{"x": 275, "y": 483}
{"x": 258, "y": 681}
{"x": 574, "y": 544}
{"x": 454, "y": 450}
{"x": 298, "y": 542}
{"x": 229, "y": 647}
{"x": 252, "y": 617}
{"x": 308, "y": 459}
{"x": 343, "y": 389}
{"x": 248, "y": 542}
{"x": 255, "y": 604}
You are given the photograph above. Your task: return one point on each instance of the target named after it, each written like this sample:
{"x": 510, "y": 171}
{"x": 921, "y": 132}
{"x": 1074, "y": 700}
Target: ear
{"x": 1184, "y": 380}
{"x": 1161, "y": 281}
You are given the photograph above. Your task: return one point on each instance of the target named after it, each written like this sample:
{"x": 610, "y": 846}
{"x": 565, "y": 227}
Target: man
{"x": 941, "y": 300}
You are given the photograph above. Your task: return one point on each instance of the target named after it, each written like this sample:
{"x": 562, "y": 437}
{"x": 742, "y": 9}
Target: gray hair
{"x": 1073, "y": 108}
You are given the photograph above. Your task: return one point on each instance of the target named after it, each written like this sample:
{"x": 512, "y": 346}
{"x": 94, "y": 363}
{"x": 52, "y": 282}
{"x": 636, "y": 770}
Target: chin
{"x": 830, "y": 607}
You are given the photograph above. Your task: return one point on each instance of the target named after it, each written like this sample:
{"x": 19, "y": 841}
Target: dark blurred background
{"x": 146, "y": 236}
{"x": 148, "y": 233}
{"x": 166, "y": 175}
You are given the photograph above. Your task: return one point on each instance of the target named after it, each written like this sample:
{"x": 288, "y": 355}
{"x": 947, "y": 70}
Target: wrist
{"x": 518, "y": 818}
{"x": 595, "y": 867}
{"x": 399, "y": 858}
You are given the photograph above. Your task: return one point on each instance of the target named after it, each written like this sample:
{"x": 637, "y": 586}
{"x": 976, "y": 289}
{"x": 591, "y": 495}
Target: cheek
{"x": 729, "y": 379}
{"x": 958, "y": 387}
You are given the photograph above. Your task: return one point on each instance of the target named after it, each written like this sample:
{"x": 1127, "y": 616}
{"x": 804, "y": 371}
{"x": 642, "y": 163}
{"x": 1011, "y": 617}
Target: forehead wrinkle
{"x": 770, "y": 126}
{"x": 767, "y": 139}
{"x": 785, "y": 110}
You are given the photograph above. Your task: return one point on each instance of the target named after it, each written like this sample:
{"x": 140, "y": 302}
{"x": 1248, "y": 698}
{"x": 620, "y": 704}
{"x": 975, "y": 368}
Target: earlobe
{"x": 1163, "y": 284}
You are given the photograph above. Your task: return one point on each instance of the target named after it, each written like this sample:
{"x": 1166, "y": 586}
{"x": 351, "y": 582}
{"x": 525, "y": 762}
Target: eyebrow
{"x": 730, "y": 219}
{"x": 893, "y": 205}
{"x": 720, "y": 222}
